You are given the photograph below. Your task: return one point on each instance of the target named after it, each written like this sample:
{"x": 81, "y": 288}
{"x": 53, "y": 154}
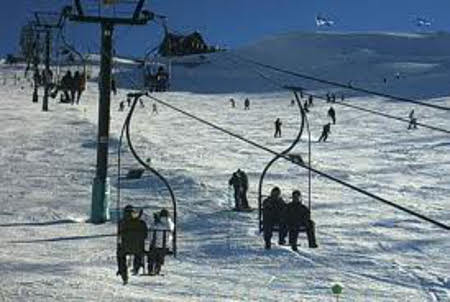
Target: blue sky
{"x": 233, "y": 23}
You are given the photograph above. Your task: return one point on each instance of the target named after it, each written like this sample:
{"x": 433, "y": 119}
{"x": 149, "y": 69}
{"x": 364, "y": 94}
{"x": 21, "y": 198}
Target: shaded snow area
{"x": 48, "y": 252}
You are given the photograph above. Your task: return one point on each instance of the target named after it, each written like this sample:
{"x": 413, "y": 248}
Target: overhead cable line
{"x": 341, "y": 85}
{"x": 286, "y": 157}
{"x": 348, "y": 185}
{"x": 345, "y": 104}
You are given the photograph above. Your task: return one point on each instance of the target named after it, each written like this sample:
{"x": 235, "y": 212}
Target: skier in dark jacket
{"x": 332, "y": 114}
{"x": 233, "y": 103}
{"x": 273, "y": 210}
{"x": 243, "y": 188}
{"x": 121, "y": 106}
{"x": 66, "y": 86}
{"x": 113, "y": 86}
{"x": 278, "y": 124}
{"x": 247, "y": 104}
{"x": 235, "y": 181}
{"x": 326, "y": 130}
{"x": 305, "y": 106}
{"x": 310, "y": 101}
{"x": 412, "y": 120}
{"x": 297, "y": 216}
{"x": 132, "y": 234}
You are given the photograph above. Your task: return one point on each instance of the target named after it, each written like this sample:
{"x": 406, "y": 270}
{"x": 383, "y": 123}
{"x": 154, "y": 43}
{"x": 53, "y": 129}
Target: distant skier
{"x": 160, "y": 235}
{"x": 128, "y": 101}
{"x": 310, "y": 101}
{"x": 305, "y": 106}
{"x": 278, "y": 124}
{"x": 121, "y": 106}
{"x": 235, "y": 181}
{"x": 342, "y": 97}
{"x": 297, "y": 216}
{"x": 247, "y": 104}
{"x": 333, "y": 98}
{"x": 132, "y": 234}
{"x": 326, "y": 130}
{"x": 328, "y": 96}
{"x": 412, "y": 120}
{"x": 154, "y": 109}
{"x": 233, "y": 103}
{"x": 273, "y": 210}
{"x": 141, "y": 103}
{"x": 292, "y": 103}
{"x": 243, "y": 181}
{"x": 332, "y": 114}
{"x": 113, "y": 86}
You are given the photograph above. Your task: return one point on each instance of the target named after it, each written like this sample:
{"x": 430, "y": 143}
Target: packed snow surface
{"x": 49, "y": 252}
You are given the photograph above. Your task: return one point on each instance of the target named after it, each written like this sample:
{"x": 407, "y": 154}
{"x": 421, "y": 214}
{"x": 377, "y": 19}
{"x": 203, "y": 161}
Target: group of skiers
{"x": 158, "y": 81}
{"x": 133, "y": 232}
{"x": 290, "y": 218}
{"x": 239, "y": 181}
{"x": 72, "y": 87}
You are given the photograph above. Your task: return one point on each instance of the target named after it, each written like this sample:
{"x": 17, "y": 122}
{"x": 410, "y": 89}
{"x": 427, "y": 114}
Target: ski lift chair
{"x": 295, "y": 158}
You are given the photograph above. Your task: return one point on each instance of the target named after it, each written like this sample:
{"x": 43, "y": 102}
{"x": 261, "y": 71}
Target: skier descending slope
{"x": 278, "y": 124}
{"x": 332, "y": 114}
{"x": 326, "y": 130}
{"x": 412, "y": 120}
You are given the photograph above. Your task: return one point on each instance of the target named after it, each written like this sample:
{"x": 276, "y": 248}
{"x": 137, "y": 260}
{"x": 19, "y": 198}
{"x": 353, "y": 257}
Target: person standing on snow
{"x": 233, "y": 103}
{"x": 113, "y": 86}
{"x": 412, "y": 120}
{"x": 243, "y": 180}
{"x": 278, "y": 124}
{"x": 235, "y": 181}
{"x": 273, "y": 211}
{"x": 247, "y": 104}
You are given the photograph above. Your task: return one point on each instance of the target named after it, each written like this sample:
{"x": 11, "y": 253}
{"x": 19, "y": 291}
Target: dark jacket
{"x": 296, "y": 215}
{"x": 244, "y": 180}
{"x": 235, "y": 181}
{"x": 273, "y": 210}
{"x": 133, "y": 232}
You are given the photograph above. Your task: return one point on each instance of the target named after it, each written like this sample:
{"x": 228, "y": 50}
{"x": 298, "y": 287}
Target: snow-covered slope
{"x": 365, "y": 59}
{"x": 48, "y": 252}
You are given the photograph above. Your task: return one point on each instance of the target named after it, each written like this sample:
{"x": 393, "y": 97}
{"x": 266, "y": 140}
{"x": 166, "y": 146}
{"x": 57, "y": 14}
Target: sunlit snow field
{"x": 49, "y": 253}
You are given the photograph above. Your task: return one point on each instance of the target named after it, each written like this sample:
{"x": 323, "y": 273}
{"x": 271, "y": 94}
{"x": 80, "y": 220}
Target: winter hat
{"x": 164, "y": 213}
